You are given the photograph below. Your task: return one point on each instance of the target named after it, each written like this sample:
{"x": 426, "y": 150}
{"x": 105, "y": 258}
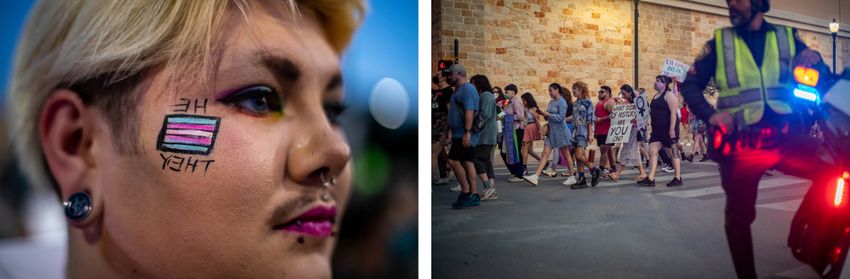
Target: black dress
{"x": 659, "y": 112}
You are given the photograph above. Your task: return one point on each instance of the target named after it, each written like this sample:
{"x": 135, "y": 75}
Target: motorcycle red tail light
{"x": 840, "y": 192}
{"x": 836, "y": 254}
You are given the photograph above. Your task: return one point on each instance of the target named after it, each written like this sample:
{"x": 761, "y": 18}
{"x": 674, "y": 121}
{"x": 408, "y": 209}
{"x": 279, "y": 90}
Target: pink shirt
{"x": 516, "y": 109}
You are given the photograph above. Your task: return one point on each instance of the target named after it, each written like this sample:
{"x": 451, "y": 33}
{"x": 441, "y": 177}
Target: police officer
{"x": 757, "y": 123}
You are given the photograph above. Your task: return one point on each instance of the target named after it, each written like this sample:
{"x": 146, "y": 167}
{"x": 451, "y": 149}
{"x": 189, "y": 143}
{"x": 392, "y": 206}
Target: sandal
{"x": 611, "y": 176}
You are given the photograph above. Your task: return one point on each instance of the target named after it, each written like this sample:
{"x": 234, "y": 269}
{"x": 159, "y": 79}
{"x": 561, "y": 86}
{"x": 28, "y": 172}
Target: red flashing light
{"x": 836, "y": 254}
{"x": 443, "y": 65}
{"x": 840, "y": 192}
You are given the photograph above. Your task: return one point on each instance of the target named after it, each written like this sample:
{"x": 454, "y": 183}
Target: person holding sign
{"x": 559, "y": 136}
{"x": 630, "y": 154}
{"x": 663, "y": 117}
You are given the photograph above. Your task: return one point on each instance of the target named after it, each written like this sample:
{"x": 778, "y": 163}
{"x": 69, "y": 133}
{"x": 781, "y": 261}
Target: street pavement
{"x": 614, "y": 230}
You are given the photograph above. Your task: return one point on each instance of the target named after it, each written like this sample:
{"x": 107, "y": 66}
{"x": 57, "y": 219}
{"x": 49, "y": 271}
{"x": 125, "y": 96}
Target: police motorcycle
{"x": 820, "y": 230}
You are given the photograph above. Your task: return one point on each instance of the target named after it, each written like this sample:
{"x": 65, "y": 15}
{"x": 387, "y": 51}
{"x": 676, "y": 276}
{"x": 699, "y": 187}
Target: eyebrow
{"x": 281, "y": 67}
{"x": 290, "y": 72}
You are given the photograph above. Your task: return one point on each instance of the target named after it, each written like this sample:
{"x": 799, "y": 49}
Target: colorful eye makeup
{"x": 258, "y": 100}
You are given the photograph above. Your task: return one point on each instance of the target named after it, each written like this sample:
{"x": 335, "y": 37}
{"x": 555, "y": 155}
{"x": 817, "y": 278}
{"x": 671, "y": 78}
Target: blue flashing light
{"x": 806, "y": 92}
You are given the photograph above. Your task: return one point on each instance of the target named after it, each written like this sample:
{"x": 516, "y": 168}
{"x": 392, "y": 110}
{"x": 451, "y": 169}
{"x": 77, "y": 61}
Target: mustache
{"x": 286, "y": 209}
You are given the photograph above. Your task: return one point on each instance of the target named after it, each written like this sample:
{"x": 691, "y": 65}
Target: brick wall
{"x": 534, "y": 43}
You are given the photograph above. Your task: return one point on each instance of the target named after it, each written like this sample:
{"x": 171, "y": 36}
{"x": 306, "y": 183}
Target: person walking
{"x": 663, "y": 116}
{"x": 483, "y": 160}
{"x": 463, "y": 106}
{"x": 630, "y": 153}
{"x": 757, "y": 124}
{"x": 513, "y": 132}
{"x": 601, "y": 126}
{"x": 532, "y": 129}
{"x": 558, "y": 136}
{"x": 583, "y": 117}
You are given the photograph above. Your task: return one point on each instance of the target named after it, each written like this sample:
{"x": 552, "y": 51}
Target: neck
{"x": 85, "y": 259}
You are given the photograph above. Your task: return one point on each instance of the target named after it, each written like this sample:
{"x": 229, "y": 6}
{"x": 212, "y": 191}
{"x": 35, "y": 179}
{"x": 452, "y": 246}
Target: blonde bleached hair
{"x": 103, "y": 48}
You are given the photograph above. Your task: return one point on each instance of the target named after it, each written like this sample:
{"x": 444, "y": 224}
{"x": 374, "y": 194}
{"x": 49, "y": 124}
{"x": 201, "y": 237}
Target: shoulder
{"x": 670, "y": 97}
{"x": 488, "y": 96}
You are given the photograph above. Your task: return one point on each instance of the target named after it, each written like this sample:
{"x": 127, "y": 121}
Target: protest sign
{"x": 621, "y": 123}
{"x": 674, "y": 69}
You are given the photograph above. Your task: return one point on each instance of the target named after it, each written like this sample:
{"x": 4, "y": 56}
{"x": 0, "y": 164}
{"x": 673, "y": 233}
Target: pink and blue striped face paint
{"x": 189, "y": 134}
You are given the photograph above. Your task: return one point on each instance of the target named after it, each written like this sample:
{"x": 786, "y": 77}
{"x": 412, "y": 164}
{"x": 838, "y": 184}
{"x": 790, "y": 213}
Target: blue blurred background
{"x": 379, "y": 234}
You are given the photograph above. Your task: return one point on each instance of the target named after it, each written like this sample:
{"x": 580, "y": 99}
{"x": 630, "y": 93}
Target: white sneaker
{"x": 441, "y": 181}
{"x": 456, "y": 188}
{"x": 531, "y": 179}
{"x": 668, "y": 169}
{"x": 515, "y": 179}
{"x": 550, "y": 172}
{"x": 570, "y": 181}
{"x": 489, "y": 194}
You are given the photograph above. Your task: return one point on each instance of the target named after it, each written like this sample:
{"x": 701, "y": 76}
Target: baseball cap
{"x": 456, "y": 68}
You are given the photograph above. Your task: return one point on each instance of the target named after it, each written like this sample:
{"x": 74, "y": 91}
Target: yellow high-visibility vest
{"x": 745, "y": 89}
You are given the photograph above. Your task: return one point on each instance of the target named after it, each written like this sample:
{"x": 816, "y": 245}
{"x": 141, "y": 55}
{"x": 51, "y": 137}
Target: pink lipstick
{"x": 317, "y": 222}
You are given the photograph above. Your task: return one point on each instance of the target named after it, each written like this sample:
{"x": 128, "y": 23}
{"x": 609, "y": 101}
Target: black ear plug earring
{"x": 78, "y": 207}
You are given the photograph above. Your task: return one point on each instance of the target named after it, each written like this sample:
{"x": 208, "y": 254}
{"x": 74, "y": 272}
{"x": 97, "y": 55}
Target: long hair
{"x": 567, "y": 95}
{"x": 529, "y": 100}
{"x": 481, "y": 83}
{"x": 628, "y": 89}
{"x": 499, "y": 93}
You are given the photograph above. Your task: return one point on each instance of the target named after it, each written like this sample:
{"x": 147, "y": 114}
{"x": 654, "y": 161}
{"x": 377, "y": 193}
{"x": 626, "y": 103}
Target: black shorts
{"x": 460, "y": 153}
{"x": 665, "y": 142}
{"x": 484, "y": 159}
{"x": 601, "y": 139}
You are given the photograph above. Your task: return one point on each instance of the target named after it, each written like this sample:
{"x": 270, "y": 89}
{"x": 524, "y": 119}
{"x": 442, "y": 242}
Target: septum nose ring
{"x": 327, "y": 185}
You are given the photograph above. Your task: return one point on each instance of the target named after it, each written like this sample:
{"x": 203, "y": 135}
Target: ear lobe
{"x": 66, "y": 137}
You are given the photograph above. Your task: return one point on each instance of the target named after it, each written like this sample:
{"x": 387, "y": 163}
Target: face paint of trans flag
{"x": 189, "y": 134}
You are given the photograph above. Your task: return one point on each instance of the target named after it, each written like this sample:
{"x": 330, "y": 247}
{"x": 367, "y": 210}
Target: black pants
{"x": 740, "y": 172}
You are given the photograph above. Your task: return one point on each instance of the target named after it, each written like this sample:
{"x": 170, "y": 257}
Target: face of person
{"x": 603, "y": 94}
{"x": 228, "y": 182}
{"x": 624, "y": 94}
{"x": 659, "y": 85}
{"x": 740, "y": 12}
{"x": 554, "y": 93}
{"x": 511, "y": 93}
{"x": 576, "y": 92}
{"x": 454, "y": 78}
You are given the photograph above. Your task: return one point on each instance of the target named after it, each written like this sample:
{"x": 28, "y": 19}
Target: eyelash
{"x": 333, "y": 110}
{"x": 271, "y": 99}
